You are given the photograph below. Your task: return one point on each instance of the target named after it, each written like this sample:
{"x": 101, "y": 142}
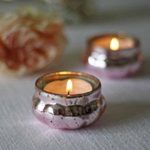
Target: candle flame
{"x": 114, "y": 44}
{"x": 69, "y": 87}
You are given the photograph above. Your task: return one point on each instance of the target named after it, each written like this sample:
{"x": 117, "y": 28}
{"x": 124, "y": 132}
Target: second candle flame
{"x": 114, "y": 44}
{"x": 69, "y": 86}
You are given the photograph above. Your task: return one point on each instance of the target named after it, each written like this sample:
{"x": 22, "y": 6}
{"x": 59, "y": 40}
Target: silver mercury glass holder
{"x": 113, "y": 55}
{"x": 68, "y": 111}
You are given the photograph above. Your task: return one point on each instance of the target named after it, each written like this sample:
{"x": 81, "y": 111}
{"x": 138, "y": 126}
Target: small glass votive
{"x": 113, "y": 55}
{"x": 68, "y": 100}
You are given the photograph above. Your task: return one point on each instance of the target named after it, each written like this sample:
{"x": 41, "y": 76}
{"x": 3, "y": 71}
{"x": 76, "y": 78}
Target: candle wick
{"x": 68, "y": 93}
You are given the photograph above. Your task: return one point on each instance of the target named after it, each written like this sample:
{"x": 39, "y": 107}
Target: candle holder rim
{"x": 68, "y": 72}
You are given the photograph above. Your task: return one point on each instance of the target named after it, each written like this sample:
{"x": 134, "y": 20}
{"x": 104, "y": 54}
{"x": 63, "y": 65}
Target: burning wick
{"x": 114, "y": 44}
{"x": 69, "y": 87}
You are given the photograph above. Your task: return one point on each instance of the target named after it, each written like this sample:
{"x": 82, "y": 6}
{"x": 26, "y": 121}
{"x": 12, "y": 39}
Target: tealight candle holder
{"x": 114, "y": 55}
{"x": 68, "y": 100}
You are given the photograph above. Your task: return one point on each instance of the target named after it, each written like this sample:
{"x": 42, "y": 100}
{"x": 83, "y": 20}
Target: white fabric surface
{"x": 124, "y": 126}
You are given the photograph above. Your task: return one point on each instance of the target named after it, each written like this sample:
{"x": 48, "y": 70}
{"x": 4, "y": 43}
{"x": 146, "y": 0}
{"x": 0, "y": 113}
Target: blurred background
{"x": 88, "y": 10}
{"x": 126, "y": 123}
{"x": 82, "y": 20}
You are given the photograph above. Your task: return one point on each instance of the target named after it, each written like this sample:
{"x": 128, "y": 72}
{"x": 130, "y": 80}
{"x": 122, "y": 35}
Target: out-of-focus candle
{"x": 114, "y": 55}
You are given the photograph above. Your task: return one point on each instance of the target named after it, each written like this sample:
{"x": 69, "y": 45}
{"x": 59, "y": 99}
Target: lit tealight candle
{"x": 68, "y": 100}
{"x": 114, "y": 55}
{"x": 70, "y": 86}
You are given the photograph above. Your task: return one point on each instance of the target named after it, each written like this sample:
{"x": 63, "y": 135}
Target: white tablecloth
{"x": 125, "y": 124}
